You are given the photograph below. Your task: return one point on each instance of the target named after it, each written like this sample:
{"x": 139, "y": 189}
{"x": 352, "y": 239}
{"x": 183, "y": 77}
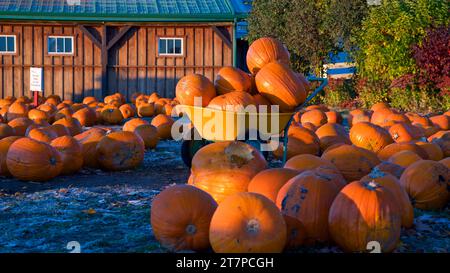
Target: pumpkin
{"x": 295, "y": 231}
{"x": 53, "y": 99}
{"x": 86, "y": 116}
{"x": 142, "y": 99}
{"x": 334, "y": 117}
{"x": 443, "y": 140}
{"x": 363, "y": 212}
{"x": 300, "y": 141}
{"x": 353, "y": 162}
{"x": 89, "y": 100}
{"x": 169, "y": 110}
{"x": 69, "y": 102}
{"x": 132, "y": 124}
{"x": 398, "y": 118}
{"x": 391, "y": 182}
{"x": 379, "y": 117}
{"x": 260, "y": 100}
{"x": 42, "y": 134}
{"x": 403, "y": 132}
{"x": 441, "y": 121}
{"x": 357, "y": 116}
{"x": 330, "y": 134}
{"x": 279, "y": 84}
{"x": 17, "y": 110}
{"x": 153, "y": 97}
{"x": 163, "y": 124}
{"x": 226, "y": 168}
{"x": 60, "y": 130}
{"x": 417, "y": 119}
{"x": 181, "y": 216}
{"x": 309, "y": 126}
{"x": 379, "y": 106}
{"x": 62, "y": 105}
{"x": 232, "y": 101}
{"x": 230, "y": 79}
{"x": 446, "y": 162}
{"x": 308, "y": 197}
{"x": 247, "y": 223}
{"x": 394, "y": 148}
{"x": 149, "y": 135}
{"x": 270, "y": 181}
{"x": 20, "y": 125}
{"x": 72, "y": 124}
{"x": 41, "y": 123}
{"x": 433, "y": 150}
{"x": 195, "y": 86}
{"x": 32, "y": 160}
{"x": 266, "y": 50}
{"x": 391, "y": 168}
{"x": 427, "y": 183}
{"x": 369, "y": 136}
{"x": 64, "y": 113}
{"x": 307, "y": 162}
{"x": 5, "y": 143}
{"x": 111, "y": 115}
{"x": 6, "y": 130}
{"x": 71, "y": 153}
{"x": 316, "y": 117}
{"x": 34, "y": 114}
{"x": 159, "y": 105}
{"x": 50, "y": 109}
{"x": 145, "y": 109}
{"x": 127, "y": 110}
{"x": 89, "y": 140}
{"x": 120, "y": 151}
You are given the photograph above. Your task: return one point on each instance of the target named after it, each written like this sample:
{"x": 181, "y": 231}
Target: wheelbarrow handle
{"x": 324, "y": 82}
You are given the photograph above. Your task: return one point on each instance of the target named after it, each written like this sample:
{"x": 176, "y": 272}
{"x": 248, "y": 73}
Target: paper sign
{"x": 36, "y": 79}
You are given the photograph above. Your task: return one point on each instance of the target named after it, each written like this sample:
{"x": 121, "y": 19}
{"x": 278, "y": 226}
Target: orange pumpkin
{"x": 330, "y": 134}
{"x": 279, "y": 84}
{"x": 270, "y": 181}
{"x": 64, "y": 113}
{"x": 42, "y": 134}
{"x": 353, "y": 162}
{"x": 316, "y": 117}
{"x": 142, "y": 99}
{"x": 34, "y": 114}
{"x": 89, "y": 100}
{"x": 380, "y": 106}
{"x": 391, "y": 168}
{"x": 32, "y": 160}
{"x": 181, "y": 216}
{"x": 226, "y": 168}
{"x": 394, "y": 148}
{"x": 433, "y": 150}
{"x": 391, "y": 182}
{"x": 153, "y": 97}
{"x": 307, "y": 162}
{"x": 160, "y": 104}
{"x": 308, "y": 197}
{"x": 403, "y": 132}
{"x": 120, "y": 151}
{"x": 72, "y": 124}
{"x": 443, "y": 140}
{"x": 111, "y": 115}
{"x": 266, "y": 50}
{"x": 5, "y": 143}
{"x": 357, "y": 116}
{"x": 89, "y": 140}
{"x": 145, "y": 109}
{"x": 295, "y": 231}
{"x": 260, "y": 100}
{"x": 369, "y": 136}
{"x": 427, "y": 182}
{"x": 53, "y": 99}
{"x": 379, "y": 117}
{"x": 300, "y": 141}
{"x": 17, "y": 110}
{"x": 398, "y": 118}
{"x": 364, "y": 212}
{"x": 86, "y": 116}
{"x": 230, "y": 79}
{"x": 446, "y": 162}
{"x": 71, "y": 153}
{"x": 192, "y": 86}
{"x": 149, "y": 135}
{"x": 247, "y": 223}
{"x": 232, "y": 101}
{"x": 6, "y": 130}
{"x": 127, "y": 110}
{"x": 417, "y": 119}
{"x": 60, "y": 130}
{"x": 163, "y": 124}
{"x": 20, "y": 125}
{"x": 333, "y": 117}
{"x": 132, "y": 124}
{"x": 441, "y": 121}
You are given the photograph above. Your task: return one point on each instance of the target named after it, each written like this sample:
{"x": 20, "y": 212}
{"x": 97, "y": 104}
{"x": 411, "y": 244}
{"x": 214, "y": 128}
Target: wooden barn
{"x": 99, "y": 47}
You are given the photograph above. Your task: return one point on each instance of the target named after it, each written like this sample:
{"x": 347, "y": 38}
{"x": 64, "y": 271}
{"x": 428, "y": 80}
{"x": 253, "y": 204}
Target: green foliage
{"x": 388, "y": 33}
{"x": 419, "y": 100}
{"x": 339, "y": 93}
{"x": 371, "y": 92}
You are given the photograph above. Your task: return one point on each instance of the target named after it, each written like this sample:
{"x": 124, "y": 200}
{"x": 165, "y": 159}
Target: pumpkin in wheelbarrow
{"x": 233, "y": 101}
{"x": 192, "y": 86}
{"x": 230, "y": 79}
{"x": 226, "y": 168}
{"x": 266, "y": 50}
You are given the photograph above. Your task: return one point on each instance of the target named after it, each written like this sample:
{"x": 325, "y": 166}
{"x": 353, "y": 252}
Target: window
{"x": 7, "y": 44}
{"x": 170, "y": 47}
{"x": 57, "y": 45}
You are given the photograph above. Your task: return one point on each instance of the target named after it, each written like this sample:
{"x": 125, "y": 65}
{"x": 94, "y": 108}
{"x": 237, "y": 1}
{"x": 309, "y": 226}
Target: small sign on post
{"x": 36, "y": 83}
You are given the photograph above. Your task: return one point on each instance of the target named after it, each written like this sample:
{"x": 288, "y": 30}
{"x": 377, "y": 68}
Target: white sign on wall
{"x": 36, "y": 82}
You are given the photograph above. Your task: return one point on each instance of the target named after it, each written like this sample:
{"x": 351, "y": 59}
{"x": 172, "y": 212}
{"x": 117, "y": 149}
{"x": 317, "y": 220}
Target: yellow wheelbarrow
{"x": 255, "y": 128}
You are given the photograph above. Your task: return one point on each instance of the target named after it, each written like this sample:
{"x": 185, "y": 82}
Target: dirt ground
{"x": 109, "y": 212}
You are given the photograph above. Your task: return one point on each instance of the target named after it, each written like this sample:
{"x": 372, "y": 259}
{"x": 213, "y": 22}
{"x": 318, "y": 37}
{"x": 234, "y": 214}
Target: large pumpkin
{"x": 394, "y": 148}
{"x": 446, "y": 162}
{"x": 232, "y": 101}
{"x": 391, "y": 182}
{"x": 5, "y": 143}
{"x": 70, "y": 123}
{"x": 391, "y": 168}
{"x": 279, "y": 84}
{"x": 17, "y": 110}
{"x": 71, "y": 153}
{"x": 379, "y": 117}
{"x": 86, "y": 116}
{"x": 369, "y": 136}
{"x": 181, "y": 216}
{"x": 132, "y": 124}
{"x": 192, "y": 86}
{"x": 111, "y": 115}
{"x": 145, "y": 109}
{"x": 330, "y": 134}
{"x": 315, "y": 116}
{"x": 127, "y": 110}
{"x": 163, "y": 124}
{"x": 120, "y": 151}
{"x": 226, "y": 168}
{"x": 20, "y": 125}
{"x": 6, "y": 130}
{"x": 149, "y": 135}
{"x": 42, "y": 134}
{"x": 300, "y": 141}
{"x": 60, "y": 130}
{"x": 404, "y": 158}
{"x": 433, "y": 150}
{"x": 32, "y": 160}
{"x": 63, "y": 113}
{"x": 247, "y": 223}
{"x": 363, "y": 212}
{"x": 34, "y": 114}
{"x": 266, "y": 50}
{"x": 230, "y": 79}
{"x": 89, "y": 140}
{"x": 307, "y": 162}
{"x": 296, "y": 232}
{"x": 308, "y": 197}
{"x": 441, "y": 121}
{"x": 427, "y": 183}
{"x": 334, "y": 117}
{"x": 403, "y": 132}
{"x": 270, "y": 181}
{"x": 353, "y": 162}
{"x": 442, "y": 139}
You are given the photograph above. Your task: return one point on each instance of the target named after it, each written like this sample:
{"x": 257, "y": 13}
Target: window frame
{"x": 16, "y": 49}
{"x": 48, "y": 53}
{"x": 172, "y": 55}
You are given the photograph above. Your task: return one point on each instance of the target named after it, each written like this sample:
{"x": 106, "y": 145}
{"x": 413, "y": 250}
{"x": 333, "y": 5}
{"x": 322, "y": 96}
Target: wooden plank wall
{"x": 133, "y": 63}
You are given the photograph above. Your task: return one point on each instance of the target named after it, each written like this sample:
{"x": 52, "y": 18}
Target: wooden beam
{"x": 91, "y": 36}
{"x": 104, "y": 60}
{"x": 118, "y": 36}
{"x": 223, "y": 36}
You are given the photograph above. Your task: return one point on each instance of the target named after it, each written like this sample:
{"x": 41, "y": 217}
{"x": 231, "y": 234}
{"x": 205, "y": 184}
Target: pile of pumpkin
{"x": 40, "y": 143}
{"x": 349, "y": 188}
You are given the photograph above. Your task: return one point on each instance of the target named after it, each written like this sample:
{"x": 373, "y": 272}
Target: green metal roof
{"x": 122, "y": 10}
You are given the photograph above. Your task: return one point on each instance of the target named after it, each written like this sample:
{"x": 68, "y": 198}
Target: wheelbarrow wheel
{"x": 189, "y": 148}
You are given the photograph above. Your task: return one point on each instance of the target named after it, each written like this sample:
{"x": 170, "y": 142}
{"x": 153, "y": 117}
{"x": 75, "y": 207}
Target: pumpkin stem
{"x": 372, "y": 185}
{"x": 253, "y": 226}
{"x": 191, "y": 229}
{"x": 239, "y": 153}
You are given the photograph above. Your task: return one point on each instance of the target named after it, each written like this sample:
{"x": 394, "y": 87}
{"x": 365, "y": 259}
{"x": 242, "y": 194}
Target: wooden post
{"x": 104, "y": 52}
